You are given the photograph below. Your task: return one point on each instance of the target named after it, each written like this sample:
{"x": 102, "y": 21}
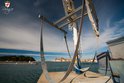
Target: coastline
{"x": 18, "y": 62}
{"x": 34, "y": 62}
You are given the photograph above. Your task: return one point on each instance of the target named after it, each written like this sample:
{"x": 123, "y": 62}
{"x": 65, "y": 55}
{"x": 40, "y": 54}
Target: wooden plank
{"x": 63, "y": 25}
{"x": 57, "y": 76}
{"x": 69, "y": 15}
{"x": 76, "y": 78}
{"x": 92, "y": 78}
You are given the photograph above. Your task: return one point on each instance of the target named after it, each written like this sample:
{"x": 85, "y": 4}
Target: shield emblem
{"x": 7, "y": 4}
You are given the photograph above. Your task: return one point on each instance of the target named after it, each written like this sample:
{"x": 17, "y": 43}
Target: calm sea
{"x": 30, "y": 73}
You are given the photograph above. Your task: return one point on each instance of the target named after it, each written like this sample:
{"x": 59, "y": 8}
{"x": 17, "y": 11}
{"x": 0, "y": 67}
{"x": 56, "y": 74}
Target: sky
{"x": 20, "y": 28}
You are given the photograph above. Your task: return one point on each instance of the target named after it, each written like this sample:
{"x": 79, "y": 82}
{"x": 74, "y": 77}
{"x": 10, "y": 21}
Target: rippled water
{"x": 19, "y": 73}
{"x": 30, "y": 73}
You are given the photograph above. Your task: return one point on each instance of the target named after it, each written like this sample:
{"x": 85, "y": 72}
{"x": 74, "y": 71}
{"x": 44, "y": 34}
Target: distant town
{"x": 68, "y": 60}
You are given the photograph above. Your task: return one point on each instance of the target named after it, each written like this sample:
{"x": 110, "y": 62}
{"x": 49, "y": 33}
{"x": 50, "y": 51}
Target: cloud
{"x": 18, "y": 38}
{"x": 121, "y": 21}
{"x": 27, "y": 36}
{"x": 90, "y": 43}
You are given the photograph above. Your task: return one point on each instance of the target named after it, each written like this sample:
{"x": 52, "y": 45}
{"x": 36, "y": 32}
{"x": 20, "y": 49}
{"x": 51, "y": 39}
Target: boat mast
{"x": 69, "y": 8}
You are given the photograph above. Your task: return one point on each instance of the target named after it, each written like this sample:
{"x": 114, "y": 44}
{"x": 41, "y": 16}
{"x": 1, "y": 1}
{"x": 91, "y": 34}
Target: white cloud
{"x": 18, "y": 37}
{"x": 90, "y": 43}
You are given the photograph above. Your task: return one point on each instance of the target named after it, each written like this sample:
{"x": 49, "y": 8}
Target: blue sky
{"x": 20, "y": 29}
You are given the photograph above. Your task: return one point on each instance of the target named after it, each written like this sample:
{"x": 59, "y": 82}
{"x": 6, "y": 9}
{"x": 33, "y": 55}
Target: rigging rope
{"x": 43, "y": 63}
{"x": 77, "y": 46}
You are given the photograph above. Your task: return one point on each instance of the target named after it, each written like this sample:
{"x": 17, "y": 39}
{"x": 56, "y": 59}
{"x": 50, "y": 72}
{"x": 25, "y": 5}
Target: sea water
{"x": 30, "y": 73}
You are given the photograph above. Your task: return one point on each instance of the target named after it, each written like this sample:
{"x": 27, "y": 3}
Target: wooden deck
{"x": 75, "y": 78}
